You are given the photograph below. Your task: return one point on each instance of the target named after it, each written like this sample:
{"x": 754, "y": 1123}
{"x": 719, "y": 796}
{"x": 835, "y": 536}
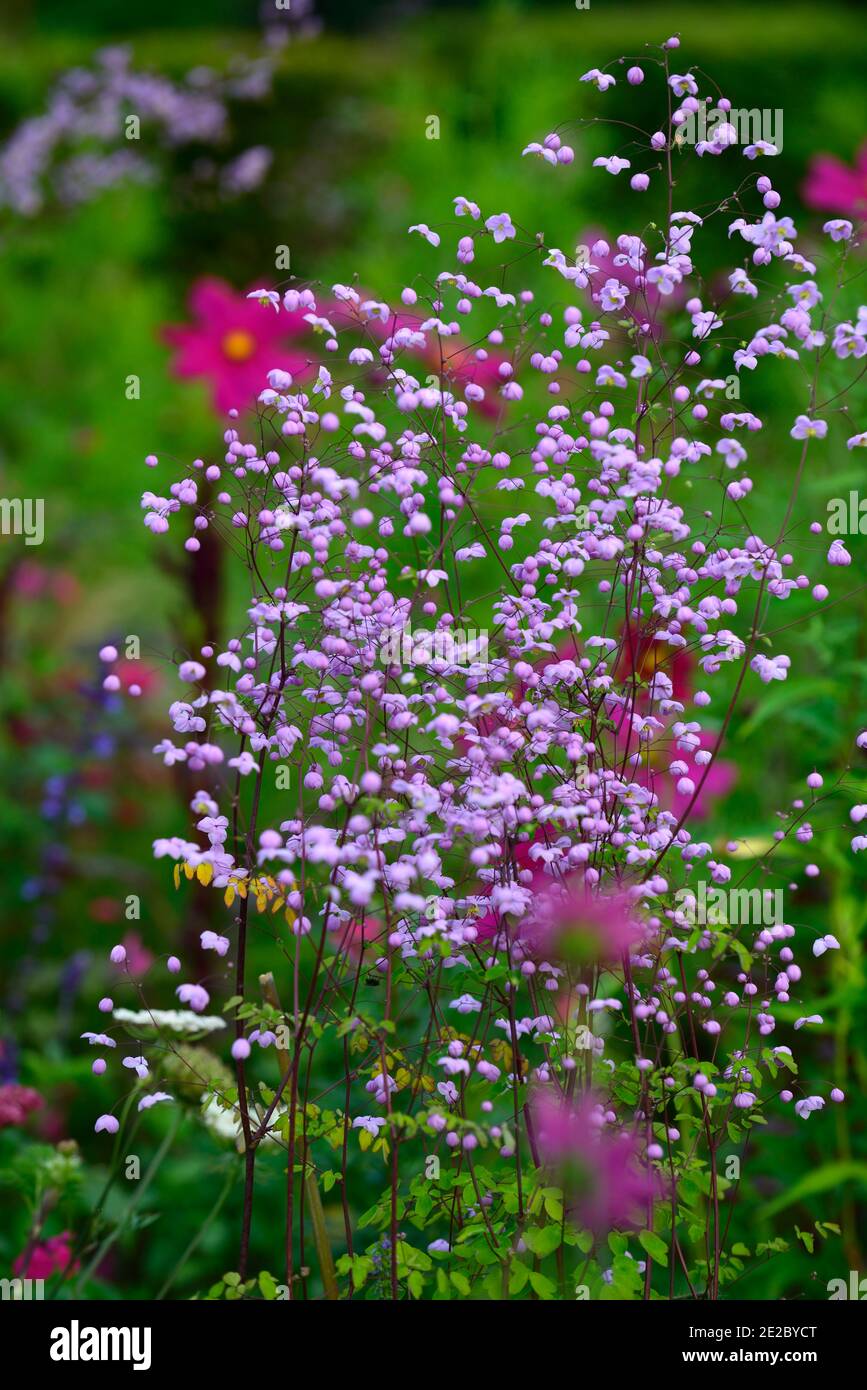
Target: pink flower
{"x": 234, "y": 343}
{"x": 46, "y": 1259}
{"x": 641, "y": 654}
{"x": 603, "y": 1180}
{"x": 831, "y": 186}
{"x": 587, "y": 926}
{"x": 16, "y": 1102}
{"x": 355, "y": 936}
{"x": 139, "y": 958}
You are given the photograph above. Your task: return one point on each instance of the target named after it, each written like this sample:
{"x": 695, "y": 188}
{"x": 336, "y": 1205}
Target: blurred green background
{"x": 85, "y": 293}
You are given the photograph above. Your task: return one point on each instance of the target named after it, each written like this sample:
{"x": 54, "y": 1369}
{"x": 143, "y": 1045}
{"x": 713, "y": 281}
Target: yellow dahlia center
{"x": 239, "y": 345}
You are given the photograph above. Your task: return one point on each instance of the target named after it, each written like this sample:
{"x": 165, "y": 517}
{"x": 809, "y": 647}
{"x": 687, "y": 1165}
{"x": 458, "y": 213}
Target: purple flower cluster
{"x": 491, "y": 837}
{"x": 80, "y": 144}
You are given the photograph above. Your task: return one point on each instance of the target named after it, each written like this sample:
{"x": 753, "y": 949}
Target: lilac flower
{"x": 424, "y": 230}
{"x": 195, "y": 995}
{"x": 372, "y": 1123}
{"x": 543, "y": 151}
{"x": 804, "y": 1108}
{"x": 807, "y": 428}
{"x": 211, "y": 941}
{"x": 741, "y": 283}
{"x": 774, "y": 668}
{"x": 192, "y": 671}
{"x": 613, "y": 164}
{"x": 612, "y": 296}
{"x": 466, "y": 1004}
{"x": 153, "y": 1099}
{"x": 601, "y": 80}
{"x": 267, "y": 298}
{"x": 838, "y": 554}
{"x": 464, "y": 207}
{"x": 500, "y": 226}
{"x": 838, "y": 229}
{"x": 683, "y": 85}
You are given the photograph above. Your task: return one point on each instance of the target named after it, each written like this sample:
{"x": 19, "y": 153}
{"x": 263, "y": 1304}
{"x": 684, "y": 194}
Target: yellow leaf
{"x": 204, "y": 873}
{"x": 229, "y": 896}
{"x": 177, "y": 875}
{"x": 290, "y": 916}
{"x": 188, "y": 870}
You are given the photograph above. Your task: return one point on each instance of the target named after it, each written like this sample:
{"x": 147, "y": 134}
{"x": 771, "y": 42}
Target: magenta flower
{"x": 641, "y": 655}
{"x": 16, "y": 1103}
{"x": 234, "y": 342}
{"x": 45, "y": 1259}
{"x": 831, "y": 186}
{"x": 602, "y": 1176}
{"x": 577, "y": 923}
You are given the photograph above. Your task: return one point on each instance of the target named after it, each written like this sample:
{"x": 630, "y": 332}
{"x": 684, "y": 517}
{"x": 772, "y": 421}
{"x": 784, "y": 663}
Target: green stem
{"x": 143, "y": 1187}
{"x": 208, "y": 1221}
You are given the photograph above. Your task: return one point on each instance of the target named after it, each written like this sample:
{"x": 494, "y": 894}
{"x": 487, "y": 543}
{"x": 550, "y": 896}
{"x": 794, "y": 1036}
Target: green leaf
{"x": 830, "y": 1175}
{"x": 655, "y": 1246}
{"x": 411, "y": 1257}
{"x": 542, "y": 1240}
{"x": 545, "y": 1288}
{"x": 771, "y": 705}
{"x": 361, "y": 1268}
{"x": 554, "y": 1204}
{"x": 808, "y": 1239}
